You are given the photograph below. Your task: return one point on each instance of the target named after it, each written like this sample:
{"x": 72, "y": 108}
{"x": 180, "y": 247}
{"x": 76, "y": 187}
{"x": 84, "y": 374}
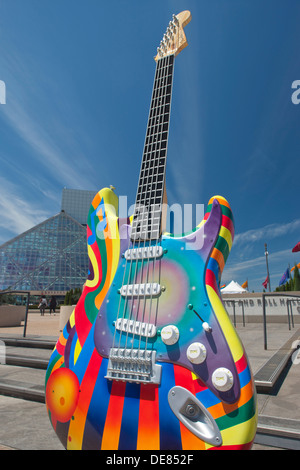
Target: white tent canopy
{"x": 233, "y": 288}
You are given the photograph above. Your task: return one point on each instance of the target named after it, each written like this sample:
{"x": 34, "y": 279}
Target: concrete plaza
{"x": 25, "y": 424}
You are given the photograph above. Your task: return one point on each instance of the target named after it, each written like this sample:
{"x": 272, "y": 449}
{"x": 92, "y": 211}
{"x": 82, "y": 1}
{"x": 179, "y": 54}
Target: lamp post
{"x": 266, "y": 254}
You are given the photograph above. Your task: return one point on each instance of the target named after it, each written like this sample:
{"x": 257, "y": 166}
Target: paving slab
{"x": 25, "y": 424}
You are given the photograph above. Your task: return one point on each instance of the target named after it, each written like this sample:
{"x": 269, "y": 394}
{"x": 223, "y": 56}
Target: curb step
{"x": 22, "y": 361}
{"x": 29, "y": 342}
{"x": 278, "y": 432}
{"x": 21, "y": 390}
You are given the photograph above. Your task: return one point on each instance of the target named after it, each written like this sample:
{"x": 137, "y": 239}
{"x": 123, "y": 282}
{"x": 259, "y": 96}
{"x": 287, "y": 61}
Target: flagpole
{"x": 266, "y": 253}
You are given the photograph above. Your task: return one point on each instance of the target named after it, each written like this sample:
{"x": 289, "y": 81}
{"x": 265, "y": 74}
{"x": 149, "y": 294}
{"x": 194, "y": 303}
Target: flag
{"x": 296, "y": 248}
{"x": 245, "y": 285}
{"x": 285, "y": 277}
{"x": 265, "y": 283}
{"x": 298, "y": 266}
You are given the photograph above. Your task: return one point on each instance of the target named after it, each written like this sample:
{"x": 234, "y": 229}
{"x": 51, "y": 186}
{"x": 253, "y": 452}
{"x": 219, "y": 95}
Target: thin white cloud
{"x": 16, "y": 214}
{"x": 47, "y": 136}
{"x": 239, "y": 268}
{"x": 44, "y": 149}
{"x": 268, "y": 232}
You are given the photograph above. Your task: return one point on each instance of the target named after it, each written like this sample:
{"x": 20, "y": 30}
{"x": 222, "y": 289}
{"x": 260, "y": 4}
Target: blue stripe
{"x": 85, "y": 354}
{"x": 170, "y": 435}
{"x": 72, "y": 350}
{"x": 96, "y": 415}
{"x": 53, "y": 356}
{"x": 207, "y": 398}
{"x": 214, "y": 267}
{"x": 130, "y": 418}
{"x": 245, "y": 377}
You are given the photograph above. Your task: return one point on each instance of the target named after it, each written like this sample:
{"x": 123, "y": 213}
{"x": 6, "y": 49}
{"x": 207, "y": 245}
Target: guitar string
{"x": 157, "y": 146}
{"x": 162, "y": 97}
{"x": 134, "y": 224}
{"x": 154, "y": 121}
{"x": 152, "y": 148}
{"x": 170, "y": 62}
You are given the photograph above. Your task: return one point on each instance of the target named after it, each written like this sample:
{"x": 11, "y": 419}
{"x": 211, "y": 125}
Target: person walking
{"x": 43, "y": 305}
{"x": 52, "y": 304}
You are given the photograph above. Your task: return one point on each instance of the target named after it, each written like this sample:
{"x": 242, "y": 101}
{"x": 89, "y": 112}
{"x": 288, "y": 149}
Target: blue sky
{"x": 79, "y": 76}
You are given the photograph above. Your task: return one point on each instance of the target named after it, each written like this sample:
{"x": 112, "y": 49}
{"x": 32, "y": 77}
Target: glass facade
{"x": 76, "y": 203}
{"x": 49, "y": 257}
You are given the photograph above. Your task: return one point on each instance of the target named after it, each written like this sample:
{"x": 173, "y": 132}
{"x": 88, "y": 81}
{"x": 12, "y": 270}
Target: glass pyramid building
{"x": 49, "y": 258}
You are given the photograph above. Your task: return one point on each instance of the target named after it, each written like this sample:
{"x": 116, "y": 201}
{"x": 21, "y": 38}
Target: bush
{"x": 72, "y": 297}
{"x": 296, "y": 278}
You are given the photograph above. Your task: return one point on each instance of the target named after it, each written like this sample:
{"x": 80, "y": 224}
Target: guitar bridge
{"x": 133, "y": 365}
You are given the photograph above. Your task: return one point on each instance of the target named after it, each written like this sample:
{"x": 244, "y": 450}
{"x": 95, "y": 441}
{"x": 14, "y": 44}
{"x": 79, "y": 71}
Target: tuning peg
{"x": 175, "y": 20}
{"x": 162, "y": 46}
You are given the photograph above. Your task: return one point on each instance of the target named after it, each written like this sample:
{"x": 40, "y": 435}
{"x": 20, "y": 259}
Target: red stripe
{"x": 241, "y": 364}
{"x": 227, "y": 222}
{"x": 83, "y": 325}
{"x": 77, "y": 425}
{"x": 199, "y": 386}
{"x": 112, "y": 428}
{"x": 60, "y": 348}
{"x": 183, "y": 378}
{"x": 210, "y": 279}
{"x": 148, "y": 430}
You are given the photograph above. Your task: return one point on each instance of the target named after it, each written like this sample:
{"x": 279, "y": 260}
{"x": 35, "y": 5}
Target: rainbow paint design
{"x": 90, "y": 411}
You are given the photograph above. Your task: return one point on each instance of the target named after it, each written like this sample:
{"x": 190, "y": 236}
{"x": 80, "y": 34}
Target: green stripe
{"x": 242, "y": 414}
{"x": 90, "y": 308}
{"x": 222, "y": 246}
{"x": 225, "y": 210}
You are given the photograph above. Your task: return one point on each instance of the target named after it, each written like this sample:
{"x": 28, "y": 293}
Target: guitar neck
{"x": 149, "y": 199}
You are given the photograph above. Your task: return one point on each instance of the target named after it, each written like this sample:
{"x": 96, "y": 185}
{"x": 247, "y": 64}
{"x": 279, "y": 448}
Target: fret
{"x": 151, "y": 159}
{"x": 159, "y": 108}
{"x": 146, "y": 173}
{"x": 144, "y": 198}
{"x": 157, "y": 127}
{"x": 147, "y": 215}
{"x": 162, "y": 97}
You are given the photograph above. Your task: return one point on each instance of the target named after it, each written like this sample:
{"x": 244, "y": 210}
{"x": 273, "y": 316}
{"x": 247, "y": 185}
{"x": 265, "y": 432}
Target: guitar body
{"x": 127, "y": 371}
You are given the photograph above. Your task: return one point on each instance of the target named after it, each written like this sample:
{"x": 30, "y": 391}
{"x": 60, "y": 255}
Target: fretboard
{"x": 148, "y": 205}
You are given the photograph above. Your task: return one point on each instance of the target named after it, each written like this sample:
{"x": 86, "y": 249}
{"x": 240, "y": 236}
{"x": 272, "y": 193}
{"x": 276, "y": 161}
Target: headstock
{"x": 174, "y": 39}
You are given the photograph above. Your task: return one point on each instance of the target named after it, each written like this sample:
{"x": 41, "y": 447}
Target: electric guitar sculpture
{"x": 149, "y": 358}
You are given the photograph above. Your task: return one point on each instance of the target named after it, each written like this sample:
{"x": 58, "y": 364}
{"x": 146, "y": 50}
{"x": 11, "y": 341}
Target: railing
{"x": 289, "y": 310}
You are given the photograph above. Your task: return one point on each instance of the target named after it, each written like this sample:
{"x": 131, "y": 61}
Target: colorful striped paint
{"x": 113, "y": 415}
